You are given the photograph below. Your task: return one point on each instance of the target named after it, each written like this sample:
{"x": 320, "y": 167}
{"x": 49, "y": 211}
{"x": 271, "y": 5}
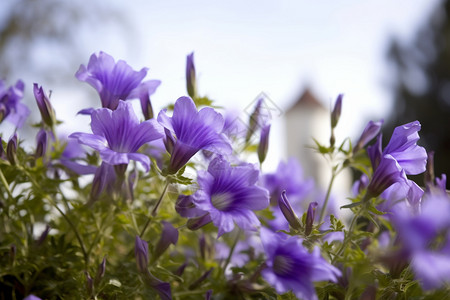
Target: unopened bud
{"x": 191, "y": 81}
{"x": 41, "y": 143}
{"x": 288, "y": 212}
{"x": 254, "y": 120}
{"x": 336, "y": 113}
{"x": 12, "y": 254}
{"x": 169, "y": 141}
{"x": 46, "y": 109}
{"x": 263, "y": 143}
{"x": 141, "y": 254}
{"x": 169, "y": 236}
{"x": 89, "y": 283}
{"x": 100, "y": 271}
{"x": 370, "y": 131}
{"x": 310, "y": 214}
{"x": 202, "y": 246}
{"x": 196, "y": 223}
{"x": 429, "y": 172}
{"x": 11, "y": 150}
{"x": 43, "y": 236}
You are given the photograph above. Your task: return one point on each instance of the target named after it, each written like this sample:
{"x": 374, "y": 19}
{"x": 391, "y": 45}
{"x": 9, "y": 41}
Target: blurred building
{"x": 307, "y": 120}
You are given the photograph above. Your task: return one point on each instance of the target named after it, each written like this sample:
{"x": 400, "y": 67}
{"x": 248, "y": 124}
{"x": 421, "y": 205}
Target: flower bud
{"x": 191, "y": 82}
{"x": 2, "y": 112}
{"x": 169, "y": 236}
{"x": 288, "y": 212}
{"x": 141, "y": 254}
{"x": 41, "y": 143}
{"x": 11, "y": 150}
{"x": 263, "y": 143}
{"x": 196, "y": 223}
{"x": 2, "y": 150}
{"x": 310, "y": 214}
{"x": 169, "y": 141}
{"x": 336, "y": 113}
{"x": 12, "y": 254}
{"x": 43, "y": 236}
{"x": 89, "y": 283}
{"x": 429, "y": 172}
{"x": 253, "y": 121}
{"x": 202, "y": 278}
{"x": 46, "y": 109}
{"x": 100, "y": 271}
{"x": 370, "y": 131}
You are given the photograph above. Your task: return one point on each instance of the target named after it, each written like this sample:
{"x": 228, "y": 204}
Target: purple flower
{"x": 194, "y": 130}
{"x": 386, "y": 174}
{"x": 290, "y": 267}
{"x": 169, "y": 235}
{"x": 336, "y": 113}
{"x": 403, "y": 147}
{"x": 32, "y": 297}
{"x": 288, "y": 212}
{"x": 11, "y": 108}
{"x": 113, "y": 81}
{"x": 41, "y": 143}
{"x": 418, "y": 233}
{"x": 118, "y": 135}
{"x": 229, "y": 195}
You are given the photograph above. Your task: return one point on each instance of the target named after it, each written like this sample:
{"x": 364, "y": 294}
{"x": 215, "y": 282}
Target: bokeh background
{"x": 390, "y": 59}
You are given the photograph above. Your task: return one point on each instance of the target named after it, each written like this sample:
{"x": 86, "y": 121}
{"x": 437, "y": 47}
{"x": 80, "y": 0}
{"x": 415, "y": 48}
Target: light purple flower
{"x": 229, "y": 195}
{"x": 113, "y": 81}
{"x": 32, "y": 297}
{"x": 290, "y": 267}
{"x": 403, "y": 147}
{"x": 386, "y": 174}
{"x": 191, "y": 131}
{"x": 11, "y": 109}
{"x": 118, "y": 135}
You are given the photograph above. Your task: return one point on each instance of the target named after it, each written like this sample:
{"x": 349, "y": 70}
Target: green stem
{"x": 227, "y": 262}
{"x": 349, "y": 235}
{"x": 155, "y": 209}
{"x": 5, "y": 183}
{"x": 327, "y": 197}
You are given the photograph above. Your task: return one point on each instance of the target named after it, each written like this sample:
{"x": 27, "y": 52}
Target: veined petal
{"x": 99, "y": 143}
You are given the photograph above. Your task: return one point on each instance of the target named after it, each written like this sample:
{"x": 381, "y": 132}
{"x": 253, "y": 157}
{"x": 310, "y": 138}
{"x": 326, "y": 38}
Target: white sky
{"x": 243, "y": 48}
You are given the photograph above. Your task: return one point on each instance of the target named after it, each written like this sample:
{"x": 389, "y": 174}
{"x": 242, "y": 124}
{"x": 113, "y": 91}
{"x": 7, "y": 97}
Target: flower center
{"x": 282, "y": 265}
{"x": 222, "y": 201}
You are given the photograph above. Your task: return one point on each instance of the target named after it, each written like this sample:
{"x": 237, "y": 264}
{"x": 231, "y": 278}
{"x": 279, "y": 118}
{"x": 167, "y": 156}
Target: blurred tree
{"x": 421, "y": 86}
{"x": 46, "y": 40}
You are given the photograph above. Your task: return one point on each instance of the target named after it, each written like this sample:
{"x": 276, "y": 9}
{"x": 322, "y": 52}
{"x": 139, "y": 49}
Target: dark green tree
{"x": 420, "y": 81}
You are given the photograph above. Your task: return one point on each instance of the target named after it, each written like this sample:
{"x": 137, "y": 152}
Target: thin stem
{"x": 227, "y": 262}
{"x": 349, "y": 235}
{"x": 155, "y": 209}
{"x": 5, "y": 183}
{"x": 327, "y": 197}
{"x": 77, "y": 235}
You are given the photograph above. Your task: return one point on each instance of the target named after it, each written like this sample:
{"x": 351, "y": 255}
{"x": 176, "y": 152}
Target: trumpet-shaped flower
{"x": 229, "y": 195}
{"x": 190, "y": 131}
{"x": 113, "y": 81}
{"x": 290, "y": 267}
{"x": 11, "y": 108}
{"x": 117, "y": 135}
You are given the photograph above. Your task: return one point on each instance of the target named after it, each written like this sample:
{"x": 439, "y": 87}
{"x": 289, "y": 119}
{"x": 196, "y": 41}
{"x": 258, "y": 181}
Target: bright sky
{"x": 243, "y": 48}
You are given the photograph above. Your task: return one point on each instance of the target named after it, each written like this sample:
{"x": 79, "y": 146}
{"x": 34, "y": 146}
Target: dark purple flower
{"x": 186, "y": 207}
{"x": 11, "y": 149}
{"x": 11, "y": 108}
{"x": 44, "y": 105}
{"x": 229, "y": 195}
{"x": 113, "y": 81}
{"x": 290, "y": 267}
{"x": 141, "y": 254}
{"x": 191, "y": 131}
{"x": 191, "y": 82}
{"x": 118, "y": 135}
{"x": 370, "y": 131}
{"x": 386, "y": 174}
{"x": 143, "y": 92}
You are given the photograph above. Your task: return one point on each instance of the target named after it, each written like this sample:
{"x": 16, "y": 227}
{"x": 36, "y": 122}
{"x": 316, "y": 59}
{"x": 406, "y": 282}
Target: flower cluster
{"x": 178, "y": 190}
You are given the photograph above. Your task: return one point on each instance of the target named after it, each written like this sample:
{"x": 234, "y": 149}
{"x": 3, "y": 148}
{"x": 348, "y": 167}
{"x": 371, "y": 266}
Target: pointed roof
{"x": 307, "y": 100}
